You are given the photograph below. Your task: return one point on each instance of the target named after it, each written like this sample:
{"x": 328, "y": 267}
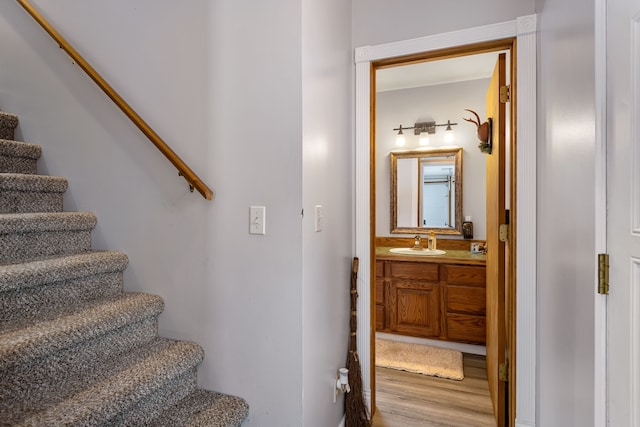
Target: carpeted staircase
{"x": 75, "y": 348}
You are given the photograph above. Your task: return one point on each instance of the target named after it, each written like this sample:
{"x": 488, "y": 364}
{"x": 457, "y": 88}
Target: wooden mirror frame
{"x": 440, "y": 152}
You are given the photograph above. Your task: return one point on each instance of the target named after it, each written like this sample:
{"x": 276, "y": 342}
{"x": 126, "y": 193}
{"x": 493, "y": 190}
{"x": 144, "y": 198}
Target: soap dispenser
{"x": 467, "y": 228}
{"x": 431, "y": 242}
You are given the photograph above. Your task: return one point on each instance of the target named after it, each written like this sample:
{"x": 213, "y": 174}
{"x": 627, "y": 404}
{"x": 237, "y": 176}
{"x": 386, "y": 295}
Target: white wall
{"x": 222, "y": 83}
{"x": 440, "y": 103}
{"x": 327, "y": 181}
{"x": 384, "y": 21}
{"x": 566, "y": 224}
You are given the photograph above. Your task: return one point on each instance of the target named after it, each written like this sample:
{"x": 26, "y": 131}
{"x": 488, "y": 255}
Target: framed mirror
{"x": 426, "y": 191}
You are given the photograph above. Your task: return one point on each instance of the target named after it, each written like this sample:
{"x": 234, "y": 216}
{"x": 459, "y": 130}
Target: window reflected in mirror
{"x": 426, "y": 191}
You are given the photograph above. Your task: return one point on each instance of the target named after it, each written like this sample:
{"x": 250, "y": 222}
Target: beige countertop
{"x": 450, "y": 257}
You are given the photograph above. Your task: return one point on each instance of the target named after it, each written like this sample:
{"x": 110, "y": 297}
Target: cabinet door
{"x": 414, "y": 308}
{"x": 379, "y": 297}
{"x": 380, "y": 311}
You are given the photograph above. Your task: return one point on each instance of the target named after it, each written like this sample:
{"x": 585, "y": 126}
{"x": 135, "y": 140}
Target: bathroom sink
{"x": 422, "y": 251}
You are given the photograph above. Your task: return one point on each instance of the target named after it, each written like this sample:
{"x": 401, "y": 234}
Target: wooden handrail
{"x": 183, "y": 170}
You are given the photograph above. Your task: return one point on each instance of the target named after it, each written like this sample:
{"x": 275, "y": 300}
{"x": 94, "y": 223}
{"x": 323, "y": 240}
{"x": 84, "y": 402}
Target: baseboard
{"x": 343, "y": 421}
{"x": 464, "y": 348}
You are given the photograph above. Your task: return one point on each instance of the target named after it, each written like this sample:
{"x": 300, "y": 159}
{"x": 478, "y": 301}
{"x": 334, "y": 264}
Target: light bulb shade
{"x": 424, "y": 140}
{"x": 400, "y": 141}
{"x": 448, "y": 136}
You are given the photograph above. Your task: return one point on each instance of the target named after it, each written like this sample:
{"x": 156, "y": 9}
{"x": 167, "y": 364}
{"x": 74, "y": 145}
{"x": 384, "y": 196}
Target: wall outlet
{"x": 257, "y": 220}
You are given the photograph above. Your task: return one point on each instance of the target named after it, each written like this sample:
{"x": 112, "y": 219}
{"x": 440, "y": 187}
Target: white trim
{"x": 635, "y": 132}
{"x": 635, "y": 185}
{"x": 634, "y": 340}
{"x": 343, "y": 421}
{"x": 524, "y": 29}
{"x": 362, "y": 226}
{"x": 600, "y": 301}
{"x": 526, "y": 246}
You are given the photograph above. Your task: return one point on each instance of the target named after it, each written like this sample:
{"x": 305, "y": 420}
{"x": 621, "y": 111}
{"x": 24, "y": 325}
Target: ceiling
{"x": 470, "y": 67}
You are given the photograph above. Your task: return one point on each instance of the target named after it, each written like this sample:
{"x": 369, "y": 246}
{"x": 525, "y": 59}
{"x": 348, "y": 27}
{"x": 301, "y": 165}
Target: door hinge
{"x": 603, "y": 274}
{"x": 503, "y": 372}
{"x": 505, "y": 94}
{"x": 503, "y": 233}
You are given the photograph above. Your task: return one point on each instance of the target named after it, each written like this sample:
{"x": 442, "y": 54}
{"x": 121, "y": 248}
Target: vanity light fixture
{"x": 423, "y": 130}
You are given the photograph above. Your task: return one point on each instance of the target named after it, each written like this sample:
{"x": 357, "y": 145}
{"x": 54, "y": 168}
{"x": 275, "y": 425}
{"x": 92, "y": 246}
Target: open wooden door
{"x": 496, "y": 215}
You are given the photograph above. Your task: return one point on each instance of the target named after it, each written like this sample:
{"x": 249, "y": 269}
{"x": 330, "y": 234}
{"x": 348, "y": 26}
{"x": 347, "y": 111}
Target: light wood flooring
{"x": 404, "y": 399}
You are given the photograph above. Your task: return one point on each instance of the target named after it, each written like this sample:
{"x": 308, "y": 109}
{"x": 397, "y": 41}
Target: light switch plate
{"x": 257, "y": 220}
{"x": 319, "y": 218}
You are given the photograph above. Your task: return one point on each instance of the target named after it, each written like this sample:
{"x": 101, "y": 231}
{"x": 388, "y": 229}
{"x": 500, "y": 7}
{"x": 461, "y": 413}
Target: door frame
{"x": 600, "y": 301}
{"x": 524, "y": 29}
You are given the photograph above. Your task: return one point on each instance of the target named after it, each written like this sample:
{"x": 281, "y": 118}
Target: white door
{"x": 623, "y": 216}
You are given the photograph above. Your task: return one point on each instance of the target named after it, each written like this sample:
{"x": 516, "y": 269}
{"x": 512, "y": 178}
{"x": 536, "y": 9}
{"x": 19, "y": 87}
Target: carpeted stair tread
{"x": 28, "y": 236}
{"x": 8, "y": 123}
{"x": 46, "y": 221}
{"x": 11, "y": 148}
{"x": 19, "y": 157}
{"x": 28, "y": 193}
{"x": 60, "y": 375}
{"x": 203, "y": 408}
{"x": 35, "y": 183}
{"x": 19, "y": 345}
{"x": 60, "y": 383}
{"x": 39, "y": 272}
{"x": 101, "y": 401}
{"x": 31, "y": 290}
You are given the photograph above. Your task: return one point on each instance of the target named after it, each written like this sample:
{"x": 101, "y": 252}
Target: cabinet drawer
{"x": 466, "y": 299}
{"x": 465, "y": 274}
{"x": 415, "y": 270}
{"x": 379, "y": 291}
{"x": 466, "y": 328}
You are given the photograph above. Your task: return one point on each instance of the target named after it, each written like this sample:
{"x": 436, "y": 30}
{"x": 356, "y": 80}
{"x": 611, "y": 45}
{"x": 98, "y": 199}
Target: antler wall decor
{"x": 484, "y": 132}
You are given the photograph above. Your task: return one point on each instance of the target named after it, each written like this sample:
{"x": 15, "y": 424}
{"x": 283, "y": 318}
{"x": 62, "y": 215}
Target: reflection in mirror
{"x": 426, "y": 191}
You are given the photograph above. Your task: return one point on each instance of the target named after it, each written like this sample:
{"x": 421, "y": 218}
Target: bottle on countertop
{"x": 431, "y": 242}
{"x": 467, "y": 228}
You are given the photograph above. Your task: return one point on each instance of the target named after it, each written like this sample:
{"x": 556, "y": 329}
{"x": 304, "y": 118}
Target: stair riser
{"x": 153, "y": 405}
{"x": 58, "y": 373}
{"x": 6, "y": 132}
{"x": 28, "y": 246}
{"x": 38, "y": 301}
{"x": 30, "y": 201}
{"x": 24, "y": 165}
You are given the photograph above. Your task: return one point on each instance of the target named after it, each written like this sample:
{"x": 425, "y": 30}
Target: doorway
{"x": 435, "y": 88}
{"x": 524, "y": 30}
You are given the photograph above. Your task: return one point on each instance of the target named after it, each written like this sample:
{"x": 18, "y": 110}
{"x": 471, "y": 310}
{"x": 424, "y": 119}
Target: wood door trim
{"x": 508, "y": 44}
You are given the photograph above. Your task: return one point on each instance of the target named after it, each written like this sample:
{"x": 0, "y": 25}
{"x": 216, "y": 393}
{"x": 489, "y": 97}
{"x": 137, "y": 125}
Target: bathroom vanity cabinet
{"x": 431, "y": 297}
